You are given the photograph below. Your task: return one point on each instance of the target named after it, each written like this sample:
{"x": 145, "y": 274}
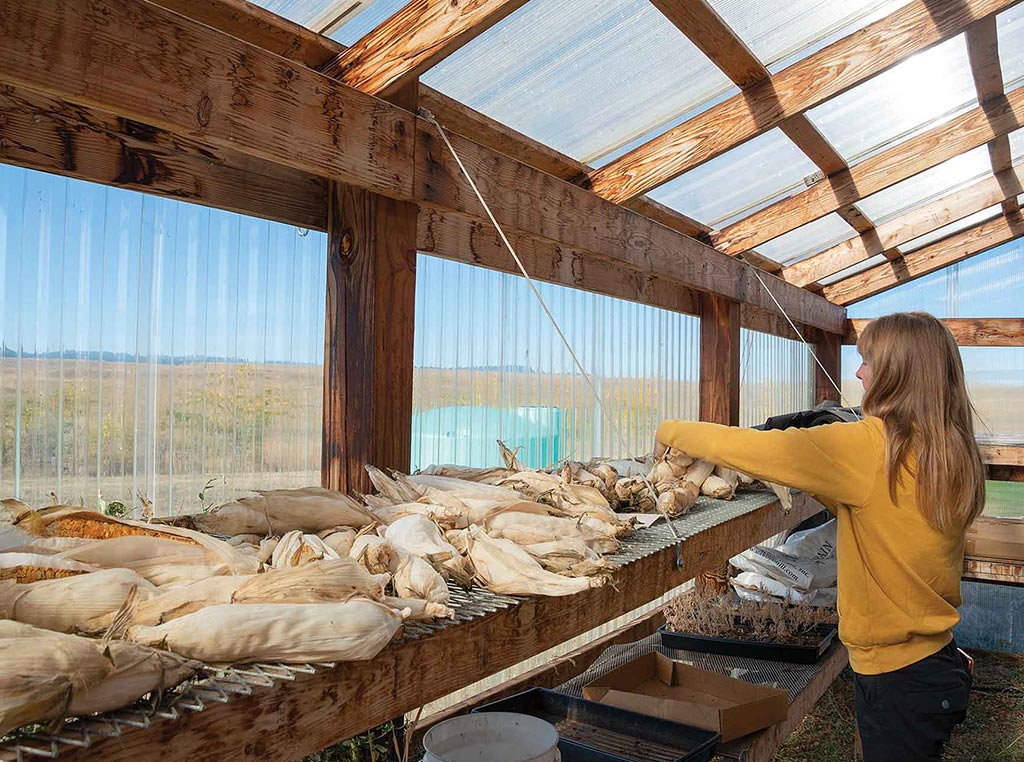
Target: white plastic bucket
{"x": 492, "y": 737}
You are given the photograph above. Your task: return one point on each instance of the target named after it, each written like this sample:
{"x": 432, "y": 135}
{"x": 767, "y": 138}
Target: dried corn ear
{"x": 277, "y": 632}
{"x": 504, "y": 567}
{"x": 33, "y": 567}
{"x": 718, "y": 488}
{"x": 279, "y": 511}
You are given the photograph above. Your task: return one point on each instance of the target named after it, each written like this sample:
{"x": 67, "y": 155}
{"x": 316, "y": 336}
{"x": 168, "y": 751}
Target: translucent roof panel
{"x": 582, "y": 76}
{"x": 926, "y": 186}
{"x": 740, "y": 181}
{"x": 1010, "y": 25}
{"x": 808, "y": 239}
{"x": 323, "y": 16}
{"x": 951, "y": 228}
{"x": 919, "y": 93}
{"x": 367, "y": 15}
{"x": 1017, "y": 145}
{"x": 867, "y": 264}
{"x": 777, "y": 30}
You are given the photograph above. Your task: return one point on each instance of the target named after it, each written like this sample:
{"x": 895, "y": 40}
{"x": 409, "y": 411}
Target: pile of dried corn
{"x": 112, "y": 609}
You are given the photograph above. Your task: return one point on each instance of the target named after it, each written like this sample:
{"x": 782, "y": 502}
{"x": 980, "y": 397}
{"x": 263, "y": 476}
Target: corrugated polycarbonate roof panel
{"x": 780, "y": 30}
{"x": 808, "y": 239}
{"x": 740, "y": 181}
{"x": 1010, "y": 25}
{"x": 923, "y": 91}
{"x": 1017, "y": 145}
{"x": 582, "y": 76}
{"x": 368, "y": 15}
{"x": 927, "y": 186}
{"x": 951, "y": 228}
{"x": 867, "y": 264}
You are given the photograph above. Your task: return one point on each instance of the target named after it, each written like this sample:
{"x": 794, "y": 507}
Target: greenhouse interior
{"x": 512, "y": 380}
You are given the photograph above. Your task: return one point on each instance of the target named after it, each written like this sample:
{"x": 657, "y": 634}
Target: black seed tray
{"x": 752, "y": 649}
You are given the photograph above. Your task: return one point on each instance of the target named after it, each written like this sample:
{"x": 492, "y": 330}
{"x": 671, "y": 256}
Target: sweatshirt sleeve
{"x": 839, "y": 461}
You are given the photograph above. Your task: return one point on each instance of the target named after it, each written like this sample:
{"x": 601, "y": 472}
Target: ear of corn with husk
{"x": 64, "y": 604}
{"x": 417, "y": 609}
{"x": 46, "y": 675}
{"x": 297, "y": 548}
{"x": 290, "y": 633}
{"x": 504, "y": 567}
{"x": 33, "y": 567}
{"x": 338, "y": 539}
{"x": 411, "y": 576}
{"x": 310, "y": 509}
{"x": 530, "y": 529}
{"x": 570, "y": 557}
{"x": 421, "y": 537}
{"x": 446, "y": 517}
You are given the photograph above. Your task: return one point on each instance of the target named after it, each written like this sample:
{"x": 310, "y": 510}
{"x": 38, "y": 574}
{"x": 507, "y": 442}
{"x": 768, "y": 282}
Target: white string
{"x": 576, "y": 360}
{"x": 796, "y": 330}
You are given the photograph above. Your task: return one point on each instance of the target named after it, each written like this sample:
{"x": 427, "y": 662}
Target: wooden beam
{"x": 930, "y": 148}
{"x": 299, "y": 717}
{"x": 1003, "y": 453}
{"x": 1005, "y": 571}
{"x": 545, "y": 207}
{"x": 925, "y": 219}
{"x": 765, "y": 321}
{"x": 915, "y": 27}
{"x": 829, "y": 354}
{"x": 948, "y": 251}
{"x": 983, "y": 53}
{"x": 301, "y": 119}
{"x": 968, "y": 332}
{"x": 552, "y": 674}
{"x": 719, "y": 386}
{"x": 1004, "y": 473}
{"x": 420, "y": 35}
{"x": 48, "y": 134}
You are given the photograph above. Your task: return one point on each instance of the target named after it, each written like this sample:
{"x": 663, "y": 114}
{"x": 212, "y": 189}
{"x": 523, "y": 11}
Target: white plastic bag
{"x": 757, "y": 587}
{"x": 805, "y": 562}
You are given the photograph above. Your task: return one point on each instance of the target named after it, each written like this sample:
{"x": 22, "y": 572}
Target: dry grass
{"x": 746, "y": 620}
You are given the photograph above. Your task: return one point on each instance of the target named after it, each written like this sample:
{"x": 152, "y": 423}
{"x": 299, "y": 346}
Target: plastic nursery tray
{"x": 592, "y": 732}
{"x": 752, "y": 649}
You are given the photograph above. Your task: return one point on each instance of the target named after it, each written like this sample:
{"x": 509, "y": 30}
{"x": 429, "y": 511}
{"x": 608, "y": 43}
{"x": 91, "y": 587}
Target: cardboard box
{"x": 998, "y": 539}
{"x": 660, "y": 687}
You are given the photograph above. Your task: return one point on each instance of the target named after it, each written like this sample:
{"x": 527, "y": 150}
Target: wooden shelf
{"x": 1002, "y": 571}
{"x": 301, "y": 716}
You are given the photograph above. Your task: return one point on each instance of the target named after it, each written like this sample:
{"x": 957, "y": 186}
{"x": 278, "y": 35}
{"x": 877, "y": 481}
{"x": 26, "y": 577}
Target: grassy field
{"x": 993, "y": 732}
{"x": 1004, "y": 499}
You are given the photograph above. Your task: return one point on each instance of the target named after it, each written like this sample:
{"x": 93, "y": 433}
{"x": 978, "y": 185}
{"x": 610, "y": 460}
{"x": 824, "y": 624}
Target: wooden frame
{"x": 915, "y": 27}
{"x": 968, "y": 332}
{"x": 936, "y": 256}
{"x": 386, "y": 150}
{"x": 932, "y": 147}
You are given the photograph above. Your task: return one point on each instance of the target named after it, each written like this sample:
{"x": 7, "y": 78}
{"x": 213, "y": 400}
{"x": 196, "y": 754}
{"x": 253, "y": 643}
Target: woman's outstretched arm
{"x": 839, "y": 461}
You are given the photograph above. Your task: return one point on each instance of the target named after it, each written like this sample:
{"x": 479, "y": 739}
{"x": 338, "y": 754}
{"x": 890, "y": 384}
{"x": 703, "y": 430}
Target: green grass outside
{"x": 1005, "y": 499}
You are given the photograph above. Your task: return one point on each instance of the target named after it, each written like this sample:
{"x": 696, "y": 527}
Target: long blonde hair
{"x": 917, "y": 388}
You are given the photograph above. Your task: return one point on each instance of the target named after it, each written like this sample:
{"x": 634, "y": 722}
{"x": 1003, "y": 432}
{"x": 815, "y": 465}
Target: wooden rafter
{"x": 114, "y": 57}
{"x": 925, "y": 219}
{"x": 969, "y": 130}
{"x": 968, "y": 332}
{"x": 983, "y": 52}
{"x": 936, "y": 256}
{"x": 714, "y": 38}
{"x": 420, "y": 35}
{"x": 915, "y": 27}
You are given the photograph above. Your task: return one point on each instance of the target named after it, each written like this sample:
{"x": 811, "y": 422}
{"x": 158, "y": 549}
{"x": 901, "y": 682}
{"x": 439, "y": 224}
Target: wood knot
{"x": 204, "y": 110}
{"x": 347, "y": 242}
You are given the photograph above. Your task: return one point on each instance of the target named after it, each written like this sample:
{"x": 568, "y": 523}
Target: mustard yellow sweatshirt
{"x": 899, "y": 579}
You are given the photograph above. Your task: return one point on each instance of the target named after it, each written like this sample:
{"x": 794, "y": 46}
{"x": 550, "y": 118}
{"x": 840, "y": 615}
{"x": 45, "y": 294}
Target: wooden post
{"x": 368, "y": 336}
{"x": 829, "y": 352}
{"x": 719, "y": 360}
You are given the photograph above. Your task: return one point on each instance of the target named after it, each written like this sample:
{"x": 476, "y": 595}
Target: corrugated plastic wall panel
{"x": 490, "y": 366}
{"x": 776, "y": 376}
{"x": 149, "y": 346}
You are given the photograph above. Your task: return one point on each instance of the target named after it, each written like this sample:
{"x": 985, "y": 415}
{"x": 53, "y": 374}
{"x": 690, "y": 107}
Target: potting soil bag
{"x": 751, "y": 586}
{"x": 817, "y": 542}
{"x": 805, "y": 562}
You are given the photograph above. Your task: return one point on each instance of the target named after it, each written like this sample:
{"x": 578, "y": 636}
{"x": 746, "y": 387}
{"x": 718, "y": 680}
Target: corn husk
{"x": 607, "y": 473}
{"x": 531, "y": 529}
{"x": 570, "y": 558}
{"x": 446, "y": 517}
{"x": 289, "y": 633}
{"x": 421, "y": 537}
{"x": 718, "y": 488}
{"x": 339, "y": 539}
{"x": 482, "y": 475}
{"x": 573, "y": 472}
{"x": 68, "y": 521}
{"x": 512, "y": 462}
{"x": 334, "y": 580}
{"x": 46, "y": 675}
{"x": 33, "y": 567}
{"x": 698, "y": 471}
{"x": 744, "y": 480}
{"x": 503, "y": 567}
{"x": 296, "y": 549}
{"x": 245, "y": 539}
{"x": 416, "y": 609}
{"x": 678, "y": 499}
{"x": 124, "y": 551}
{"x": 634, "y": 492}
{"x": 64, "y": 604}
{"x": 411, "y": 576}
{"x": 266, "y": 549}
{"x": 784, "y": 494}
{"x": 568, "y": 499}
{"x": 163, "y": 574}
{"x": 310, "y": 509}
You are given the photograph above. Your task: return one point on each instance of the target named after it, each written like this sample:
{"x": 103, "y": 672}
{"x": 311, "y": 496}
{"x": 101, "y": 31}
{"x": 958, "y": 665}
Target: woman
{"x": 904, "y": 483}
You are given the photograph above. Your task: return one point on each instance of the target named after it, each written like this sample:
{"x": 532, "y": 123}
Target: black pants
{"x": 908, "y": 715}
